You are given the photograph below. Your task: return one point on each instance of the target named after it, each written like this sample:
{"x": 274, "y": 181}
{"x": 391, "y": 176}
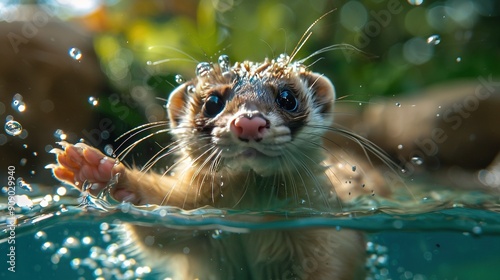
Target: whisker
{"x": 191, "y": 58}
{"x": 140, "y": 127}
{"x": 127, "y": 150}
{"x": 307, "y": 34}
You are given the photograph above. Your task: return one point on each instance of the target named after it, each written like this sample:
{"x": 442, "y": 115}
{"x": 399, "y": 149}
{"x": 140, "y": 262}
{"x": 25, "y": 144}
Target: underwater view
{"x": 96, "y": 96}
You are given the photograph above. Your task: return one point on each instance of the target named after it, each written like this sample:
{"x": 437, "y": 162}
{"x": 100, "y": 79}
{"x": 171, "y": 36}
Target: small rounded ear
{"x": 176, "y": 103}
{"x": 322, "y": 90}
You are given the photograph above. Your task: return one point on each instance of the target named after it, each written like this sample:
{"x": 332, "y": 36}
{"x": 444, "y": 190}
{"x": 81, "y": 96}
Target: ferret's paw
{"x": 79, "y": 163}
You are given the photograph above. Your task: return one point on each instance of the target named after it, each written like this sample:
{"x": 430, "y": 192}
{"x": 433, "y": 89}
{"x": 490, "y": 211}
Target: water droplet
{"x": 23, "y": 185}
{"x": 417, "y": 160}
{"x": 93, "y": 101}
{"x": 13, "y": 128}
{"x": 60, "y": 135}
{"x": 191, "y": 89}
{"x": 179, "y": 79}
{"x": 203, "y": 68}
{"x": 398, "y": 104}
{"x": 283, "y": 60}
{"x": 415, "y": 2}
{"x": 108, "y": 149}
{"x": 17, "y": 103}
{"x": 75, "y": 53}
{"x": 217, "y": 234}
{"x": 224, "y": 63}
{"x": 434, "y": 40}
{"x": 459, "y": 59}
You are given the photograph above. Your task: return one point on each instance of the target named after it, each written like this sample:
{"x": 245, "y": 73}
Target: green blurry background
{"x": 392, "y": 34}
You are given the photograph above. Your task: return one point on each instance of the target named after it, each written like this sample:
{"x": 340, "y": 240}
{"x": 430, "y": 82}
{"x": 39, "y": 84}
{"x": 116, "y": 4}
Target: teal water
{"x": 448, "y": 235}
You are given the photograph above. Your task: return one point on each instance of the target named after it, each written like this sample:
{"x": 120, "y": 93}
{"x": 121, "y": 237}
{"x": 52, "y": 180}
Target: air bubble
{"x": 354, "y": 168}
{"x": 459, "y": 59}
{"x": 224, "y": 63}
{"x": 61, "y": 191}
{"x": 434, "y": 40}
{"x": 398, "y": 104}
{"x": 71, "y": 242}
{"x": 13, "y": 128}
{"x": 87, "y": 240}
{"x": 48, "y": 246}
{"x": 75, "y": 263}
{"x": 400, "y": 147}
{"x": 477, "y": 230}
{"x": 417, "y": 160}
{"x": 93, "y": 101}
{"x": 203, "y": 68}
{"x": 75, "y": 53}
{"x": 179, "y": 79}
{"x": 40, "y": 235}
{"x": 415, "y": 2}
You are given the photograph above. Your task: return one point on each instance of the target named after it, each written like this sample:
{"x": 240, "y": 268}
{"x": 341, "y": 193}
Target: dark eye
{"x": 287, "y": 101}
{"x": 213, "y": 106}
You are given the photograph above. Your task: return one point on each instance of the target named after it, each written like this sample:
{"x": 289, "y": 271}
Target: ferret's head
{"x": 266, "y": 117}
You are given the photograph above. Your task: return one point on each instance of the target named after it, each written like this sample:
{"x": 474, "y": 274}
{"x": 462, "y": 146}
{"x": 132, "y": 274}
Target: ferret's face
{"x": 261, "y": 117}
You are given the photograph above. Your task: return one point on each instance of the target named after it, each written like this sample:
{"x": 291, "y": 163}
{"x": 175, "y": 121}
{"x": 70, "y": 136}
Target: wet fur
{"x": 305, "y": 166}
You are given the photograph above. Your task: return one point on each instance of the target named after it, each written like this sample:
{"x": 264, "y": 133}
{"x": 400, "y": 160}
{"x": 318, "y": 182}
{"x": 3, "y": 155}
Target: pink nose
{"x": 248, "y": 128}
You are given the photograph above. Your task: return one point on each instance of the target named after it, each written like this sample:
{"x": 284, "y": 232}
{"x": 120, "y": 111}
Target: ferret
{"x": 250, "y": 136}
{"x": 260, "y": 136}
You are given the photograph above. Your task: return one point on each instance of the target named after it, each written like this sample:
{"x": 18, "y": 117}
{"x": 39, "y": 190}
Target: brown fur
{"x": 309, "y": 173}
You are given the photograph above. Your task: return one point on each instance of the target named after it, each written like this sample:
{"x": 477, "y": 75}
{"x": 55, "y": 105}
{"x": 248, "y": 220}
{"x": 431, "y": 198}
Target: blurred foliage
{"x": 173, "y": 36}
